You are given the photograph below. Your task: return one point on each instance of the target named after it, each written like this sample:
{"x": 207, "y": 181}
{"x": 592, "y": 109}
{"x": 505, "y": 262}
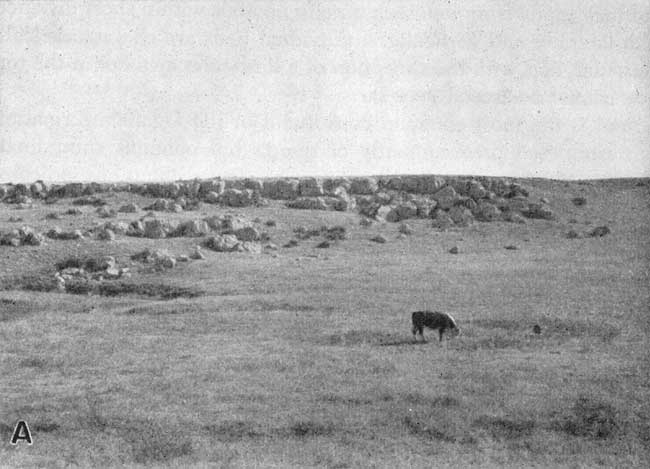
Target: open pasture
{"x": 303, "y": 356}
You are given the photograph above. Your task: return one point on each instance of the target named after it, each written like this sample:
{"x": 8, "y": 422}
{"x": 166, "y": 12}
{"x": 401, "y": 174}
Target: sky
{"x": 137, "y": 91}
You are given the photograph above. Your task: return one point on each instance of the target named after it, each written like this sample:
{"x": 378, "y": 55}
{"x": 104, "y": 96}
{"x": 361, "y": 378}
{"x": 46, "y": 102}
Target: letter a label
{"x": 21, "y": 432}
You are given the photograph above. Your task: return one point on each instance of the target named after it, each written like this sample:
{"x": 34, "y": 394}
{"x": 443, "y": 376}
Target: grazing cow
{"x": 433, "y": 320}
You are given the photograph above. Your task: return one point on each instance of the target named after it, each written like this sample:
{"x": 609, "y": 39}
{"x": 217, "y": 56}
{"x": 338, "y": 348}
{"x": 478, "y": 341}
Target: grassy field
{"x": 305, "y": 358}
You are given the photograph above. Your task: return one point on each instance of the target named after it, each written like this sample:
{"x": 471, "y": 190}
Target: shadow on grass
{"x": 589, "y": 418}
{"x": 236, "y": 430}
{"x": 45, "y": 282}
{"x": 359, "y": 337}
{"x": 503, "y": 428}
{"x": 11, "y": 310}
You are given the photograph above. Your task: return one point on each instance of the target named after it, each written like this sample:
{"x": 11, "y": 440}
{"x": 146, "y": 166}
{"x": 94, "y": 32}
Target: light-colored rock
{"x": 446, "y": 197}
{"x": 106, "y": 235}
{"x": 310, "y": 187}
{"x": 442, "y": 220}
{"x": 308, "y": 203}
{"x": 248, "y": 233}
{"x": 197, "y": 254}
{"x": 192, "y": 228}
{"x": 486, "y": 211}
{"x": 461, "y": 216}
{"x": 155, "y": 229}
{"x": 363, "y": 185}
{"x": 406, "y": 229}
{"x": 129, "y": 208}
{"x": 223, "y": 243}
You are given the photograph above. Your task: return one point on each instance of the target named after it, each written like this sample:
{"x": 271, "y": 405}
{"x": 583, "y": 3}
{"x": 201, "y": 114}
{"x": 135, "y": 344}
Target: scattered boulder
{"x": 136, "y": 228}
{"x": 104, "y": 212}
{"x": 453, "y": 250}
{"x": 248, "y": 246}
{"x": 579, "y": 201}
{"x": 53, "y": 216}
{"x": 223, "y": 243}
{"x": 310, "y": 187}
{"x": 229, "y": 224}
{"x": 446, "y": 197}
{"x": 378, "y": 239}
{"x": 90, "y": 200}
{"x": 476, "y": 190}
{"x": 159, "y": 205}
{"x": 461, "y": 216}
{"x": 385, "y": 213}
{"x": 442, "y": 220}
{"x": 57, "y": 233}
{"x": 403, "y": 211}
{"x": 406, "y": 229}
{"x": 212, "y": 198}
{"x": 119, "y": 227}
{"x": 365, "y": 222}
{"x": 284, "y": 189}
{"x": 74, "y": 211}
{"x": 129, "y": 208}
{"x": 106, "y": 235}
{"x": 192, "y": 229}
{"x": 536, "y": 329}
{"x": 183, "y": 258}
{"x": 486, "y": 211}
{"x": 513, "y": 217}
{"x": 247, "y": 233}
{"x": 29, "y": 237}
{"x": 156, "y": 229}
{"x": 239, "y": 198}
{"x": 572, "y": 234}
{"x": 308, "y": 203}
{"x": 323, "y": 244}
{"x": 511, "y": 247}
{"x": 599, "y": 231}
{"x": 197, "y": 254}
{"x": 538, "y": 210}
{"x": 363, "y": 185}
{"x": 292, "y": 243}
{"x": 217, "y": 186}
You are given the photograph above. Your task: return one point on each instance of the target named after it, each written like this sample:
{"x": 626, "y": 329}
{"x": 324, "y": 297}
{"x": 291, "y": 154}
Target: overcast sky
{"x": 162, "y": 91}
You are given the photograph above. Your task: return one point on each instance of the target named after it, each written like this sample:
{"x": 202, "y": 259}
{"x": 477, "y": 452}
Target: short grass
{"x": 306, "y": 359}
